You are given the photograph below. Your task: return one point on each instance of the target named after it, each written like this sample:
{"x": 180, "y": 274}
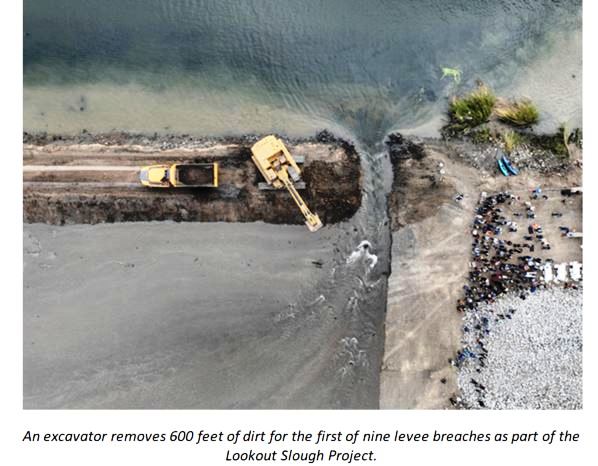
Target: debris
{"x": 454, "y": 73}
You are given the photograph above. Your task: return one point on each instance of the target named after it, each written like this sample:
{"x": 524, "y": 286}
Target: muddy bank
{"x": 417, "y": 182}
{"x": 331, "y": 173}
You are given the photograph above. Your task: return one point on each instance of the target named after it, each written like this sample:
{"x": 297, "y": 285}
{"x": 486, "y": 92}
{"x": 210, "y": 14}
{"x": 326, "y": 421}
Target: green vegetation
{"x": 570, "y": 136}
{"x": 466, "y": 113}
{"x": 518, "y": 113}
{"x": 550, "y": 142}
{"x": 566, "y": 136}
{"x": 481, "y": 136}
{"x": 511, "y": 140}
{"x": 473, "y": 109}
{"x": 576, "y": 137}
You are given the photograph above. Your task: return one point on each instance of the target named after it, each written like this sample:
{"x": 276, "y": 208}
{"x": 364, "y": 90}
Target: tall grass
{"x": 472, "y": 109}
{"x": 520, "y": 113}
{"x": 511, "y": 140}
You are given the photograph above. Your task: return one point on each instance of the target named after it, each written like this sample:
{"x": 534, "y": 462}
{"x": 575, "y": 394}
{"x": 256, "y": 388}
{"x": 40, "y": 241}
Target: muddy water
{"x": 360, "y": 69}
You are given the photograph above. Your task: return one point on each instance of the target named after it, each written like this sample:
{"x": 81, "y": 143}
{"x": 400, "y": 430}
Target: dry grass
{"x": 520, "y": 113}
{"x": 511, "y": 140}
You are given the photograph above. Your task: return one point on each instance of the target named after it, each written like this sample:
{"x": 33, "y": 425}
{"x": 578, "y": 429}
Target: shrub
{"x": 473, "y": 109}
{"x": 576, "y": 137}
{"x": 550, "y": 142}
{"x": 518, "y": 113}
{"x": 481, "y": 136}
{"x": 511, "y": 140}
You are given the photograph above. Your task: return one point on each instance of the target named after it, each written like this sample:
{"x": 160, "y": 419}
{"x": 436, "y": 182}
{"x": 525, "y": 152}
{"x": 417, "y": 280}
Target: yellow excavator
{"x": 280, "y": 171}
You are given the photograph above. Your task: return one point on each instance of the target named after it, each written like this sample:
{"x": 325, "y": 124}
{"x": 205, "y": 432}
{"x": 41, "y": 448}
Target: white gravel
{"x": 534, "y": 359}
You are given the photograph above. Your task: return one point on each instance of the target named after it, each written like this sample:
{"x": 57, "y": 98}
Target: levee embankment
{"x": 95, "y": 180}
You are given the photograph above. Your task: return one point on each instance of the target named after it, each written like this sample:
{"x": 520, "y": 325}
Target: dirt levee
{"x": 96, "y": 181}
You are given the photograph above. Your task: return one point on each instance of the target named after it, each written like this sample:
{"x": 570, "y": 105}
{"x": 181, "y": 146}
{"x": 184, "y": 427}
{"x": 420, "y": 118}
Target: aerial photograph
{"x": 282, "y": 204}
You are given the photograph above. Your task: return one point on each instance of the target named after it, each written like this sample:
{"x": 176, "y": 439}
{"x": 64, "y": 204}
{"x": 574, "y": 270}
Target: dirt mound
{"x": 418, "y": 184}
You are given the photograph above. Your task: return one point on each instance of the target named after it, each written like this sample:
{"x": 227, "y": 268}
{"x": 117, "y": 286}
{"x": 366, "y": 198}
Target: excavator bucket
{"x": 315, "y": 224}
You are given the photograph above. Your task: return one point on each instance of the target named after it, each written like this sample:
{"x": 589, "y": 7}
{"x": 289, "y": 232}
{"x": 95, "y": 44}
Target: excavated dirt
{"x": 196, "y": 175}
{"x": 418, "y": 183}
{"x": 93, "y": 179}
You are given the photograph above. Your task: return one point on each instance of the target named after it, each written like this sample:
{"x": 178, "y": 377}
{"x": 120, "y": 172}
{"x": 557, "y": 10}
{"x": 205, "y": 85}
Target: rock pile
{"x": 531, "y": 360}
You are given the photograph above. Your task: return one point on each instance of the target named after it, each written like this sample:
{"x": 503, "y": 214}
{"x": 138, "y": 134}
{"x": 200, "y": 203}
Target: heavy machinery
{"x": 191, "y": 175}
{"x": 280, "y": 170}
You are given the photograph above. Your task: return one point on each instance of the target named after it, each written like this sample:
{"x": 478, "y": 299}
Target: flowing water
{"x": 358, "y": 68}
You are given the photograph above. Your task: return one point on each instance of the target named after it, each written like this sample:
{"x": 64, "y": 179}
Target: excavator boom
{"x": 312, "y": 221}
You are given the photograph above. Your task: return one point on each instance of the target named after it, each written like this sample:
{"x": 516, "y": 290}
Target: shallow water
{"x": 222, "y": 67}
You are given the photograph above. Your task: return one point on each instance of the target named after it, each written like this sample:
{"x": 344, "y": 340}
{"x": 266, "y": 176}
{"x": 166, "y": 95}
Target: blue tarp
{"x": 510, "y": 167}
{"x": 502, "y": 167}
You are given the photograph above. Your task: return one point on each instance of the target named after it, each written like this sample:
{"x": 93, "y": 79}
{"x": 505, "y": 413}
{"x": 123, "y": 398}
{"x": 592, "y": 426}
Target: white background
{"x": 15, "y": 421}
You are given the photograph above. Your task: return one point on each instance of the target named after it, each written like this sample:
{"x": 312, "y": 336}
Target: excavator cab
{"x": 280, "y": 170}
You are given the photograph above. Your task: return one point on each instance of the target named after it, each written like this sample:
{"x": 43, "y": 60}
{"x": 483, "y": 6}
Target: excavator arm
{"x": 312, "y": 220}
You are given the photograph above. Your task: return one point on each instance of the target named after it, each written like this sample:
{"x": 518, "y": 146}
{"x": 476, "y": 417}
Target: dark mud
{"x": 417, "y": 182}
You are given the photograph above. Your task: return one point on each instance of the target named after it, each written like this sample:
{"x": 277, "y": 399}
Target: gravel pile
{"x": 524, "y": 354}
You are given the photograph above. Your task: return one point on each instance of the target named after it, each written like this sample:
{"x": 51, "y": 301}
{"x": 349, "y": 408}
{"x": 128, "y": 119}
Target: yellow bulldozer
{"x": 280, "y": 170}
